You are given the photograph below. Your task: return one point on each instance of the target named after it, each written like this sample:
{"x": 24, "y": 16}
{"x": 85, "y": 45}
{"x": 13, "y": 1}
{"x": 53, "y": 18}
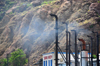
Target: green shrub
{"x": 12, "y": 3}
{"x": 47, "y": 2}
{"x": 3, "y": 62}
{"x": 7, "y": 1}
{"x": 18, "y": 58}
{"x": 11, "y": 13}
{"x": 1, "y": 12}
{"x": 29, "y": 4}
{"x": 23, "y": 3}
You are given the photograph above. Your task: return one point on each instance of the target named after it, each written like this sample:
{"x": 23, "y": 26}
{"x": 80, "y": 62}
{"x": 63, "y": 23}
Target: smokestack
{"x": 84, "y": 44}
{"x": 56, "y": 32}
{"x": 84, "y": 54}
{"x": 91, "y": 49}
{"x": 76, "y": 54}
{"x": 97, "y": 47}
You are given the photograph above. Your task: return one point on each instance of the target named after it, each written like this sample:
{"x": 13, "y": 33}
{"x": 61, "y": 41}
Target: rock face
{"x": 32, "y": 28}
{"x": 95, "y": 7}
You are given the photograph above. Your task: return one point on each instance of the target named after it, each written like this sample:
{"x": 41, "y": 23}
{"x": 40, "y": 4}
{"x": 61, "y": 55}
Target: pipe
{"x": 56, "y": 29}
{"x": 83, "y": 53}
{"x": 76, "y": 57}
{"x": 69, "y": 48}
{"x": 91, "y": 50}
{"x": 66, "y": 42}
{"x": 84, "y": 47}
{"x": 89, "y": 54}
{"x": 97, "y": 47}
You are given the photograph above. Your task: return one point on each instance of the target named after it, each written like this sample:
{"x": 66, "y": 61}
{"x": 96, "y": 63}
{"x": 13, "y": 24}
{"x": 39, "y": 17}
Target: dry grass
{"x": 91, "y": 21}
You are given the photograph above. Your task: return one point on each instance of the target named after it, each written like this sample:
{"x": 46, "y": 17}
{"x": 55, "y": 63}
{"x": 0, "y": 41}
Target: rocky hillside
{"x": 29, "y": 26}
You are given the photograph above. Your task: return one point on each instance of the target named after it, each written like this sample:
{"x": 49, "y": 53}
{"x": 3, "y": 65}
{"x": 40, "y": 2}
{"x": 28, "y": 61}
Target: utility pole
{"x": 56, "y": 32}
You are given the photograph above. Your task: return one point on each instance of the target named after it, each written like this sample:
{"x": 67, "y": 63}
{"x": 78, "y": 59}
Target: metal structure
{"x": 97, "y": 47}
{"x": 76, "y": 57}
{"x": 56, "y": 29}
{"x": 66, "y": 44}
{"x": 91, "y": 50}
{"x": 83, "y": 53}
{"x": 68, "y": 49}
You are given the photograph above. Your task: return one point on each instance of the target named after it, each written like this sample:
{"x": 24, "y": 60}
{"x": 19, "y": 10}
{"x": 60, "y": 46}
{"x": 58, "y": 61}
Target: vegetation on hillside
{"x": 25, "y": 25}
{"x": 48, "y": 1}
{"x": 5, "y": 5}
{"x": 17, "y": 58}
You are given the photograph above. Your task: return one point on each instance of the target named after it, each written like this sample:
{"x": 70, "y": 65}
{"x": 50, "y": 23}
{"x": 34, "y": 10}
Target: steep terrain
{"x": 29, "y": 26}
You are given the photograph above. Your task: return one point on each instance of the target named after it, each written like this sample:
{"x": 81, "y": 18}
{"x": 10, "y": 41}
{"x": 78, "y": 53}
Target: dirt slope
{"x": 32, "y": 28}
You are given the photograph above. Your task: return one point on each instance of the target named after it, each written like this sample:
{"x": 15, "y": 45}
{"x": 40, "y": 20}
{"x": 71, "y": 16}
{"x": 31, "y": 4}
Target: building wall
{"x": 48, "y": 60}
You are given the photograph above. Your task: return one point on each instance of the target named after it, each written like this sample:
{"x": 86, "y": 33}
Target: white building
{"x": 48, "y": 59}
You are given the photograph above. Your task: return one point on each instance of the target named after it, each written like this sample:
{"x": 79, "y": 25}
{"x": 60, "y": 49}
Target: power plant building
{"x": 49, "y": 59}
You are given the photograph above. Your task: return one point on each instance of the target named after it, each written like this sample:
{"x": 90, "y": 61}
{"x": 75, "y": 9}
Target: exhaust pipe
{"x": 91, "y": 50}
{"x": 84, "y": 44}
{"x": 76, "y": 54}
{"x": 56, "y": 29}
{"x": 84, "y": 54}
{"x": 97, "y": 47}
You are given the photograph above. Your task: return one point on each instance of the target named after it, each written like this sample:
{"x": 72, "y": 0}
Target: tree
{"x": 3, "y": 62}
{"x": 18, "y": 58}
